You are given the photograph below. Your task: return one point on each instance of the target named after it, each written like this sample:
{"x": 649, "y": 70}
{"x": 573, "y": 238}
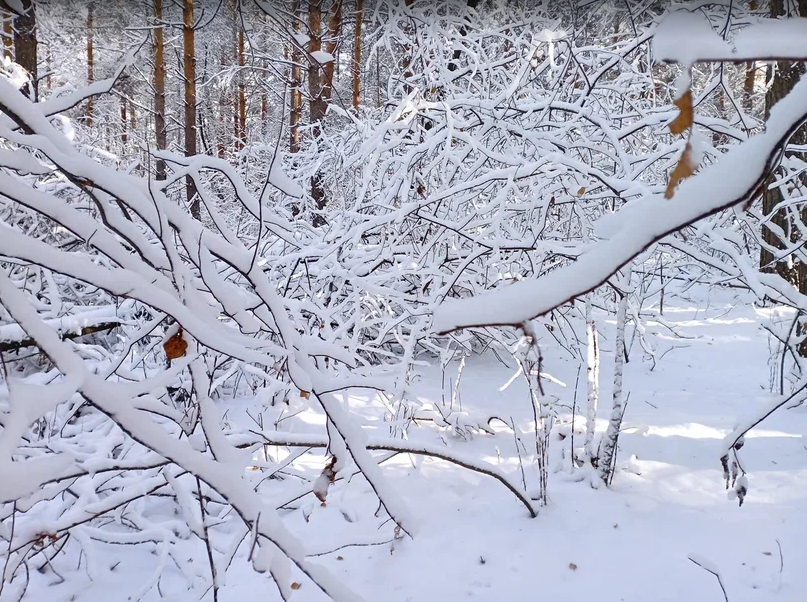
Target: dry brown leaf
{"x": 766, "y": 553}
{"x": 685, "y": 117}
{"x": 573, "y": 566}
{"x": 305, "y": 394}
{"x": 685, "y": 168}
{"x": 339, "y": 558}
{"x": 295, "y": 585}
{"x": 175, "y": 347}
{"x": 582, "y": 191}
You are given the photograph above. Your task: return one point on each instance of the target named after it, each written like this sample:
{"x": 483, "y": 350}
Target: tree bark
{"x": 189, "y": 66}
{"x": 242, "y": 92}
{"x": 357, "y": 55}
{"x": 90, "y": 61}
{"x": 25, "y": 45}
{"x": 159, "y": 87}
{"x": 748, "y": 85}
{"x": 786, "y": 76}
{"x": 296, "y": 101}
{"x": 592, "y": 379}
{"x": 8, "y": 36}
{"x": 221, "y": 129}
{"x": 123, "y": 121}
{"x": 317, "y": 103}
{"x": 334, "y": 31}
{"x": 609, "y": 442}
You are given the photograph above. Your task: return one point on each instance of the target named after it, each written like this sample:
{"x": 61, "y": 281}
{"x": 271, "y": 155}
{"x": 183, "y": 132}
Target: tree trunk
{"x": 25, "y": 45}
{"x": 242, "y": 93}
{"x": 221, "y": 129}
{"x": 90, "y": 61}
{"x": 48, "y": 69}
{"x": 315, "y": 90}
{"x": 334, "y": 31}
{"x": 316, "y": 102}
{"x": 189, "y": 66}
{"x": 8, "y": 36}
{"x": 123, "y": 121}
{"x": 357, "y": 56}
{"x": 264, "y": 103}
{"x": 608, "y": 453}
{"x": 132, "y": 119}
{"x": 593, "y": 380}
{"x": 748, "y": 85}
{"x": 785, "y": 78}
{"x": 159, "y": 86}
{"x": 296, "y": 101}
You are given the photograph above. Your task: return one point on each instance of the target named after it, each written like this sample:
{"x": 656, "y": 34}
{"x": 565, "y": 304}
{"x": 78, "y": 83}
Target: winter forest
{"x": 403, "y": 300}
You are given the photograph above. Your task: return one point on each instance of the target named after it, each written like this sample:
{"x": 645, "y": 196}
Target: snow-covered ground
{"x": 630, "y": 543}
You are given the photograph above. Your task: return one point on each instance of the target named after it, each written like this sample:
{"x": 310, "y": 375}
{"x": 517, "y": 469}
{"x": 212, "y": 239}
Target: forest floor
{"x": 629, "y": 543}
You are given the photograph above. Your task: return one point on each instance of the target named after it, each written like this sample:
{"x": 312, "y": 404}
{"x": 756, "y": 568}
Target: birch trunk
{"x": 593, "y": 379}
{"x": 609, "y": 441}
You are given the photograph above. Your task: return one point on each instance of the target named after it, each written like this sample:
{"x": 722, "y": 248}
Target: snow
{"x": 686, "y": 37}
{"x": 71, "y": 324}
{"x": 632, "y": 542}
{"x": 322, "y": 57}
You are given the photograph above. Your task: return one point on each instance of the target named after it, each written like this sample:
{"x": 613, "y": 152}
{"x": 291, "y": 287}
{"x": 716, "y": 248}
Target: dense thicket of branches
{"x": 285, "y": 201}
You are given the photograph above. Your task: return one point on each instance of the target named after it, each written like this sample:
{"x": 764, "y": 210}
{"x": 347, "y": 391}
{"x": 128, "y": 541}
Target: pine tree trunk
{"x": 189, "y": 67}
{"x": 787, "y": 74}
{"x": 748, "y": 85}
{"x": 331, "y": 42}
{"x": 317, "y": 102}
{"x": 296, "y": 101}
{"x": 49, "y": 69}
{"x": 159, "y": 87}
{"x": 357, "y": 56}
{"x": 221, "y": 130}
{"x": 123, "y": 121}
{"x": 242, "y": 94}
{"x": 90, "y": 61}
{"x": 25, "y": 46}
{"x": 132, "y": 119}
{"x": 8, "y": 36}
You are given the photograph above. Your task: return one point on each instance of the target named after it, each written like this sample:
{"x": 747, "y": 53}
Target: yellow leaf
{"x": 582, "y": 191}
{"x": 685, "y": 168}
{"x": 685, "y": 116}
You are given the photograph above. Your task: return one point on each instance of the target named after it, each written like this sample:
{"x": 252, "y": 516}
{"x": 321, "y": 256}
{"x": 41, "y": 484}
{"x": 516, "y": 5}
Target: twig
{"x": 713, "y": 572}
{"x": 207, "y": 541}
{"x": 29, "y": 342}
{"x": 400, "y": 446}
{"x": 574, "y": 409}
